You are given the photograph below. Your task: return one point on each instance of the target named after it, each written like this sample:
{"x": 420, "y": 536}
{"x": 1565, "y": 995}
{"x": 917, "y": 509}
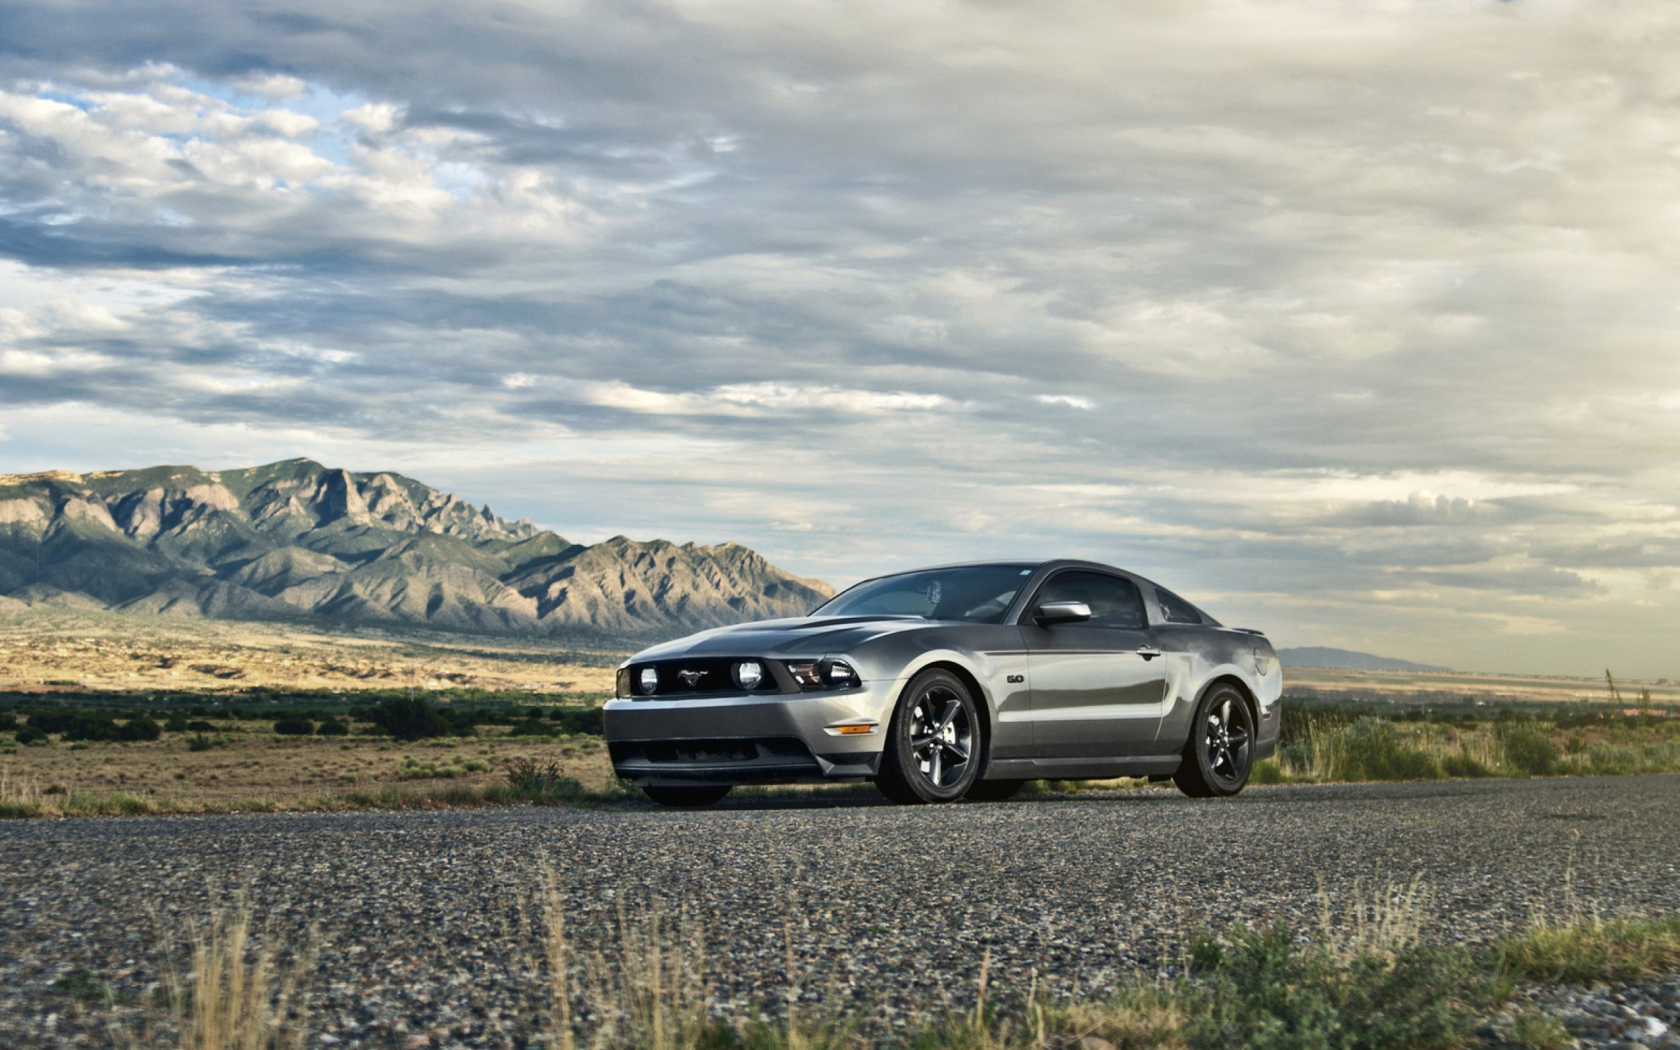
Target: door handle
{"x": 1148, "y": 652}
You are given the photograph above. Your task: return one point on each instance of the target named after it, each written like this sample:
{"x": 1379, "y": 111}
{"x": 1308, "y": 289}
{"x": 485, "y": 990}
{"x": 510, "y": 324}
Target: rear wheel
{"x": 994, "y": 790}
{"x": 687, "y": 798}
{"x": 1220, "y": 751}
{"x": 933, "y": 744}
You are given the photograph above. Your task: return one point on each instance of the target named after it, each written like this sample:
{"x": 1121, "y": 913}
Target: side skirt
{"x": 1082, "y": 768}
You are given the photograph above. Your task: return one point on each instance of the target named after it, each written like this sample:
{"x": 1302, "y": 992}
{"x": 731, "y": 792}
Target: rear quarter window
{"x": 1176, "y": 609}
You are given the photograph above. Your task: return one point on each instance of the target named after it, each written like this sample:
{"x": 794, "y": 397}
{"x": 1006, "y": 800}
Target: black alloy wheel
{"x": 994, "y": 790}
{"x": 688, "y": 797}
{"x": 1220, "y": 751}
{"x": 934, "y": 742}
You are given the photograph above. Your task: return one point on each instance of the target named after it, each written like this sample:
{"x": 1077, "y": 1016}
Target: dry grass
{"x": 645, "y": 989}
{"x": 238, "y": 993}
{"x": 1379, "y": 924}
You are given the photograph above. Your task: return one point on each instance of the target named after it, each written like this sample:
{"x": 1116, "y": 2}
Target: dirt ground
{"x": 252, "y": 768}
{"x": 48, "y": 650}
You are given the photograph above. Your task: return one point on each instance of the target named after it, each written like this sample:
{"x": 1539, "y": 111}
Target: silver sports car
{"x": 963, "y": 681}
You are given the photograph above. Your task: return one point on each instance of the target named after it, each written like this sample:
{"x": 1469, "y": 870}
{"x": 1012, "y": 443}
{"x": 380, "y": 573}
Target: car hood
{"x": 806, "y": 636}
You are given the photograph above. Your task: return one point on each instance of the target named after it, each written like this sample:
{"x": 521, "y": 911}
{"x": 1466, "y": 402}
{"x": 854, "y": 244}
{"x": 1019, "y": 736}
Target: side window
{"x": 1176, "y": 609}
{"x": 1114, "y": 602}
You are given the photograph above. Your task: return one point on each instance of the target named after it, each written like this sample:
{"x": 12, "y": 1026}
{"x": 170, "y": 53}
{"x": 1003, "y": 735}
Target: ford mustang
{"x": 963, "y": 681}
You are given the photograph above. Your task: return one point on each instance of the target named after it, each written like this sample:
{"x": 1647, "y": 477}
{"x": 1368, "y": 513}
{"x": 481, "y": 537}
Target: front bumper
{"x": 781, "y": 739}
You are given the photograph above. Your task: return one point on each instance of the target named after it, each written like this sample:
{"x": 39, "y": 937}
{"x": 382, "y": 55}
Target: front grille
{"x": 683, "y": 679}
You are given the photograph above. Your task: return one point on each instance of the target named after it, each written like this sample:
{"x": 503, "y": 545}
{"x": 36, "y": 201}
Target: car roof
{"x": 1037, "y": 564}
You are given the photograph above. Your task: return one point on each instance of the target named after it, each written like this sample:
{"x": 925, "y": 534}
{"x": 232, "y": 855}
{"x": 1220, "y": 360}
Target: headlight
{"x": 648, "y": 683}
{"x": 749, "y": 675}
{"x": 623, "y": 684}
{"x": 827, "y": 674}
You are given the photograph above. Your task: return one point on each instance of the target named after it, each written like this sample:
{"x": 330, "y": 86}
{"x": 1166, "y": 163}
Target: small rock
{"x": 1625, "y": 1044}
{"x": 1091, "y": 1042}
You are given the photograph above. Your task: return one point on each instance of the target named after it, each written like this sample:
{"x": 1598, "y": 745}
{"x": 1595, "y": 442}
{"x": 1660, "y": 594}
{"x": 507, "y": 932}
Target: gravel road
{"x": 429, "y": 923}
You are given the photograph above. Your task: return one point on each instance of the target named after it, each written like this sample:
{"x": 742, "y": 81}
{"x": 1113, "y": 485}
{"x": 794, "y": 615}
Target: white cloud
{"x": 276, "y": 87}
{"x": 1070, "y": 400}
{"x": 1375, "y": 304}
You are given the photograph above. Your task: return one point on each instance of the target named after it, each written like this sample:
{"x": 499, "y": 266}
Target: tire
{"x": 934, "y": 743}
{"x": 994, "y": 790}
{"x": 687, "y": 798}
{"x": 1220, "y": 752}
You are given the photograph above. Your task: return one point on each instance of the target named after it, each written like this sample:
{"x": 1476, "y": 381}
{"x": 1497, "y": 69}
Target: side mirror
{"x": 1051, "y": 613}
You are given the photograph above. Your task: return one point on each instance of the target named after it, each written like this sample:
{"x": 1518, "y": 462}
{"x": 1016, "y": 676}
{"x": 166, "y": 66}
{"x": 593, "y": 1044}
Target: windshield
{"x": 970, "y": 593}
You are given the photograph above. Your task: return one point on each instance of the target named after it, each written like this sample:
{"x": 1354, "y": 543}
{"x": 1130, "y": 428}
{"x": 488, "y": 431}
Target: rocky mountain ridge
{"x": 296, "y": 539}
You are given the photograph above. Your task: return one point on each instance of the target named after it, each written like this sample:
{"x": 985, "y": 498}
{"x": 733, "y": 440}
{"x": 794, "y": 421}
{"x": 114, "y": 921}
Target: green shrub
{"x": 177, "y": 723}
{"x": 294, "y": 727}
{"x": 1264, "y": 991}
{"x": 200, "y": 742}
{"x": 200, "y": 727}
{"x": 139, "y": 729}
{"x": 410, "y": 718}
{"x": 1528, "y": 749}
{"x": 53, "y": 721}
{"x": 333, "y": 727}
{"x": 31, "y": 735}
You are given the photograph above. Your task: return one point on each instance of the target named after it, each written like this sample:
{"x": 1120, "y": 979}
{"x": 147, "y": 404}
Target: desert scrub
{"x": 1375, "y": 987}
{"x": 1323, "y": 746}
{"x": 1365, "y": 749}
{"x": 415, "y": 769}
{"x": 1528, "y": 750}
{"x": 540, "y": 782}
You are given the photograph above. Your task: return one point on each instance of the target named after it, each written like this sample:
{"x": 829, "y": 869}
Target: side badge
{"x": 1015, "y": 678}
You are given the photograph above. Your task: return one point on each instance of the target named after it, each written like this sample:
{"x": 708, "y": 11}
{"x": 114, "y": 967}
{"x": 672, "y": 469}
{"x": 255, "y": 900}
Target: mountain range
{"x": 1347, "y": 660}
{"x": 298, "y": 540}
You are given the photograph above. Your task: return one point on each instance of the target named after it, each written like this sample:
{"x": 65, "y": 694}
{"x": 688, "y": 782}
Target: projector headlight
{"x": 827, "y": 674}
{"x": 749, "y": 675}
{"x": 648, "y": 683}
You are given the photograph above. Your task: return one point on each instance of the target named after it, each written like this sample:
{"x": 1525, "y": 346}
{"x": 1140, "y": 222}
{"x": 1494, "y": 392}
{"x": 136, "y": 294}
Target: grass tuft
{"x": 1586, "y": 950}
{"x": 1538, "y": 1030}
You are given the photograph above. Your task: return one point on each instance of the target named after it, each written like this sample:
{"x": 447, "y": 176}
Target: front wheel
{"x": 1220, "y": 751}
{"x": 933, "y": 744}
{"x": 686, "y": 798}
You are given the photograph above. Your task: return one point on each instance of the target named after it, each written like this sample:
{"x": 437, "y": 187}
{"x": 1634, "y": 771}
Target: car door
{"x": 1097, "y": 684}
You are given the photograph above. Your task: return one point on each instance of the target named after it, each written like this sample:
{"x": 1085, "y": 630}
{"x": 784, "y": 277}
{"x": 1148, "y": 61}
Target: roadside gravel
{"x": 428, "y": 924}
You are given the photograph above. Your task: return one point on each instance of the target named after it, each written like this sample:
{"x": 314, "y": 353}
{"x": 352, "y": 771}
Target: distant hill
{"x": 1343, "y": 659}
{"x": 297, "y": 540}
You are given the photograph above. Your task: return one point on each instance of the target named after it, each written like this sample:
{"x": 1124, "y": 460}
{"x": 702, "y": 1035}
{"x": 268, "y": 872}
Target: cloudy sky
{"x": 1356, "y": 322}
